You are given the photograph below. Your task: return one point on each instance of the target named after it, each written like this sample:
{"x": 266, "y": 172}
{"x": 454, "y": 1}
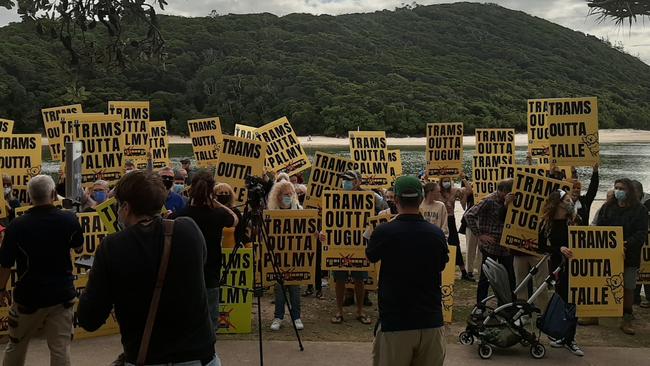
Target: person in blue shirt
{"x": 174, "y": 202}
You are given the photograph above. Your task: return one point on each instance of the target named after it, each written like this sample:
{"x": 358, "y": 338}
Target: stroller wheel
{"x": 485, "y": 351}
{"x": 466, "y": 339}
{"x": 537, "y": 351}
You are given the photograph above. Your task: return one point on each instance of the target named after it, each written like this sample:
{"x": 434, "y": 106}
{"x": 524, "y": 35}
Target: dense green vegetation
{"x": 391, "y": 70}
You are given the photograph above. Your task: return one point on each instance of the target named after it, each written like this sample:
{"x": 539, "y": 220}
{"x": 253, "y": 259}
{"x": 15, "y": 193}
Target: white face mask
{"x": 446, "y": 185}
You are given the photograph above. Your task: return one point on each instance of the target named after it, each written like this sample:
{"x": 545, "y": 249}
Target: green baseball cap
{"x": 408, "y": 186}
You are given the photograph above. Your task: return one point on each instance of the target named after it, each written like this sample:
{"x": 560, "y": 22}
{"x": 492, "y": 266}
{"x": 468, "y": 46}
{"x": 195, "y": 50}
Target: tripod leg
{"x": 259, "y": 311}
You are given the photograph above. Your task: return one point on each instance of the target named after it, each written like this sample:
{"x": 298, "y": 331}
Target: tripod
{"x": 253, "y": 216}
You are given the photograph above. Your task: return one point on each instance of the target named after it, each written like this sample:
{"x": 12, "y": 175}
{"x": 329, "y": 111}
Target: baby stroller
{"x": 505, "y": 325}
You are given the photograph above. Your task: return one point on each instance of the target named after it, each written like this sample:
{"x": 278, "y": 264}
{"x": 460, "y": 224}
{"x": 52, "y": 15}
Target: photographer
{"x": 39, "y": 243}
{"x": 126, "y": 269}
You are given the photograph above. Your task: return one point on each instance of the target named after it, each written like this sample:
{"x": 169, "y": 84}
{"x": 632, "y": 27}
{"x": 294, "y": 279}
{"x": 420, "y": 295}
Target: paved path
{"x": 101, "y": 351}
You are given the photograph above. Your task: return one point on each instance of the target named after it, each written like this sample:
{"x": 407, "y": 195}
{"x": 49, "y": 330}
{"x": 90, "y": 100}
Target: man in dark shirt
{"x": 413, "y": 254}
{"x": 125, "y": 271}
{"x": 39, "y": 243}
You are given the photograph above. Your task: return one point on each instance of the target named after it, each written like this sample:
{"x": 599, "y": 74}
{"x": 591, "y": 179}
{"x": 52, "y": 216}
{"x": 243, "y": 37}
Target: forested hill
{"x": 388, "y": 70}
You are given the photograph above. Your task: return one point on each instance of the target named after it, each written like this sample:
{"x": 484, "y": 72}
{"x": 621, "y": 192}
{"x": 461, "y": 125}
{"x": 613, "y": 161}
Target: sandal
{"x": 364, "y": 319}
{"x": 337, "y": 319}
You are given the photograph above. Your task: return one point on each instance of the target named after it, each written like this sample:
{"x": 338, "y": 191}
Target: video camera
{"x": 256, "y": 191}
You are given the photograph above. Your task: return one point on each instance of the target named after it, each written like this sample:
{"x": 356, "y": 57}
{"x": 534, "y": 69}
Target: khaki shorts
{"x": 421, "y": 347}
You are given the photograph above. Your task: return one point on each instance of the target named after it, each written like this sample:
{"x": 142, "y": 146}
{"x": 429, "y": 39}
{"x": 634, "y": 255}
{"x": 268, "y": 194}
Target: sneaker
{"x": 573, "y": 347}
{"x": 276, "y": 324}
{"x": 626, "y": 326}
{"x": 556, "y": 343}
{"x": 299, "y": 324}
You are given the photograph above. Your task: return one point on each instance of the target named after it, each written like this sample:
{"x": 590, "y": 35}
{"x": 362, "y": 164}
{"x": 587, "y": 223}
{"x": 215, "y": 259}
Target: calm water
{"x": 631, "y": 160}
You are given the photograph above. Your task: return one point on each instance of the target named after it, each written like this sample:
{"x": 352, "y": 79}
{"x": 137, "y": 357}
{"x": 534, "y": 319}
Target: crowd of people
{"x": 206, "y": 218}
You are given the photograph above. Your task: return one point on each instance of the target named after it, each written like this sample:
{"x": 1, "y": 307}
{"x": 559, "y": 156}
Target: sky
{"x": 569, "y": 13}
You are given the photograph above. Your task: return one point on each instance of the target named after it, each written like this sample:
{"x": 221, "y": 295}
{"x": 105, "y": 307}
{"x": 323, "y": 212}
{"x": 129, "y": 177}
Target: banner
{"x": 447, "y": 288}
{"x": 135, "y": 117}
{"x": 206, "y": 140}
{"x": 521, "y": 228}
{"x": 52, "y": 127}
{"x": 644, "y": 270}
{"x": 325, "y": 175}
{"x": 345, "y": 215}
{"x": 495, "y": 148}
{"x": 20, "y": 159}
{"x": 284, "y": 152}
{"x": 102, "y": 141}
{"x": 395, "y": 168}
{"x": 293, "y": 240}
{"x": 159, "y": 144}
{"x": 573, "y": 131}
{"x": 239, "y": 158}
{"x": 596, "y": 270}
{"x": 247, "y": 132}
{"x": 6, "y": 126}
{"x": 537, "y": 116}
{"x": 94, "y": 232}
{"x": 444, "y": 150}
{"x": 107, "y": 212}
{"x": 369, "y": 150}
{"x": 236, "y": 295}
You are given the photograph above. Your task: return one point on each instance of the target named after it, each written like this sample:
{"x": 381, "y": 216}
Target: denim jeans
{"x": 294, "y": 298}
{"x": 213, "y": 306}
{"x": 215, "y": 362}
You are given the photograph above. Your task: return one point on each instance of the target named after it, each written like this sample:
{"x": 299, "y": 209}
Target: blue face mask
{"x": 286, "y": 201}
{"x": 620, "y": 195}
{"x": 348, "y": 185}
{"x": 99, "y": 196}
{"x": 178, "y": 188}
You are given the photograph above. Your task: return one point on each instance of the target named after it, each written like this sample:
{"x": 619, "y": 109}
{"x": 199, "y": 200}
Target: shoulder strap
{"x": 168, "y": 227}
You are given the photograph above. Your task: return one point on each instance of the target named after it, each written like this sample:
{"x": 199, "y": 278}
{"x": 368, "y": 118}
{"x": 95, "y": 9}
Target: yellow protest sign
{"x": 6, "y": 126}
{"x": 102, "y": 145}
{"x": 20, "y": 159}
{"x": 236, "y": 295}
{"x": 345, "y": 214}
{"x": 284, "y": 152}
{"x": 395, "y": 168}
{"x": 109, "y": 328}
{"x": 3, "y": 206}
{"x": 447, "y": 288}
{"x": 159, "y": 144}
{"x": 444, "y": 150}
{"x": 293, "y": 241}
{"x": 94, "y": 232}
{"x": 238, "y": 158}
{"x": 495, "y": 151}
{"x": 206, "y": 140}
{"x": 325, "y": 175}
{"x": 107, "y": 212}
{"x": 573, "y": 131}
{"x": 537, "y": 116}
{"x": 369, "y": 150}
{"x": 644, "y": 270}
{"x": 596, "y": 270}
{"x": 372, "y": 281}
{"x": 135, "y": 117}
{"x": 52, "y": 127}
{"x": 523, "y": 219}
{"x": 247, "y": 132}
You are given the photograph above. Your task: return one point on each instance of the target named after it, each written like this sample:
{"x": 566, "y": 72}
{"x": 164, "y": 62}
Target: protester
{"x": 183, "y": 174}
{"x": 95, "y": 195}
{"x": 226, "y": 196}
{"x": 283, "y": 197}
{"x": 410, "y": 328}
{"x": 608, "y": 196}
{"x": 125, "y": 271}
{"x": 583, "y": 203}
{"x": 625, "y": 210}
{"x": 186, "y": 164}
{"x": 450, "y": 195}
{"x": 486, "y": 221}
{"x": 389, "y": 198}
{"x": 179, "y": 182}
{"x": 129, "y": 166}
{"x": 211, "y": 217}
{"x": 638, "y": 188}
{"x": 432, "y": 208}
{"x": 351, "y": 181}
{"x": 11, "y": 201}
{"x": 174, "y": 202}
{"x": 282, "y": 177}
{"x": 301, "y": 191}
{"x": 557, "y": 214}
{"x": 39, "y": 244}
